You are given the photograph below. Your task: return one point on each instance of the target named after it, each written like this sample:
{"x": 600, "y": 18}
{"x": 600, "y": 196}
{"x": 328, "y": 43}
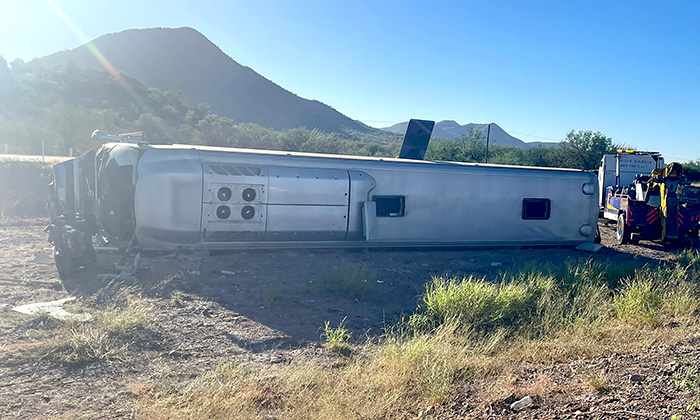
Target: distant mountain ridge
{"x": 184, "y": 60}
{"x": 451, "y": 130}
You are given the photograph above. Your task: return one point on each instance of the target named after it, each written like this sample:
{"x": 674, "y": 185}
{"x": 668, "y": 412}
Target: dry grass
{"x": 106, "y": 338}
{"x": 467, "y": 333}
{"x": 599, "y": 381}
{"x": 397, "y": 379}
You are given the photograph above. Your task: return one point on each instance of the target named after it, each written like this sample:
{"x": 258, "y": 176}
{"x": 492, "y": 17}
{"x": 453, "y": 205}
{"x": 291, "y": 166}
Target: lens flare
{"x": 90, "y": 46}
{"x": 116, "y": 74}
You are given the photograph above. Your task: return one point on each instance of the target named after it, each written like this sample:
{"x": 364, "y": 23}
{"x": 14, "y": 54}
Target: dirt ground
{"x": 269, "y": 307}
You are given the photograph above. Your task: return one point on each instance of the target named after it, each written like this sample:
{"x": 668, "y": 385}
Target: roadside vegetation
{"x": 24, "y": 189}
{"x": 464, "y": 332}
{"x": 62, "y": 106}
{"x": 116, "y": 332}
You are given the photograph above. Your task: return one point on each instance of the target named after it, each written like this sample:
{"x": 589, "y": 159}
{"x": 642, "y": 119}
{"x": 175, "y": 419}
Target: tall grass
{"x": 464, "y": 330}
{"x": 530, "y": 302}
{"x": 653, "y": 297}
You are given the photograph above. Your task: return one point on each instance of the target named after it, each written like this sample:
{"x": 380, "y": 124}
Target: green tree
{"x": 584, "y": 149}
{"x": 691, "y": 170}
{"x": 215, "y": 130}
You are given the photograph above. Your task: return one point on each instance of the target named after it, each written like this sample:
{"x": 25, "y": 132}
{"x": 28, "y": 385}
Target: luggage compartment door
{"x": 306, "y": 204}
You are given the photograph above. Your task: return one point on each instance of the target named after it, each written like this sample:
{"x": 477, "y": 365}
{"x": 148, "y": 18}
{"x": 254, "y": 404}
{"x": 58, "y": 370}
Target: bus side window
{"x": 390, "y": 206}
{"x": 536, "y": 208}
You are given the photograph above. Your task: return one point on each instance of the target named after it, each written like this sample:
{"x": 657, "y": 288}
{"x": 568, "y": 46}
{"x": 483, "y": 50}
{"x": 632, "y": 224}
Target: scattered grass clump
{"x": 640, "y": 300}
{"x": 85, "y": 344}
{"x": 127, "y": 323}
{"x": 690, "y": 381}
{"x": 270, "y": 293}
{"x": 599, "y": 381}
{"x": 42, "y": 320}
{"x": 177, "y": 298}
{"x": 435, "y": 362}
{"x": 337, "y": 338}
{"x": 575, "y": 274}
{"x": 107, "y": 337}
{"x": 348, "y": 279}
{"x": 478, "y": 304}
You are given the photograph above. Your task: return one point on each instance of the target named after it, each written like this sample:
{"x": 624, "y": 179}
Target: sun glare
{"x": 90, "y": 46}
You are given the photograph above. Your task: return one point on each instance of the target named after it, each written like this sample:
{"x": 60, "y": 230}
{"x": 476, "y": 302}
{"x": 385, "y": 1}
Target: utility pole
{"x": 488, "y": 135}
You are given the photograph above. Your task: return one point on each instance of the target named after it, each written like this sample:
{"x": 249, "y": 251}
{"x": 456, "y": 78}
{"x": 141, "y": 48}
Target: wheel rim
{"x": 620, "y": 227}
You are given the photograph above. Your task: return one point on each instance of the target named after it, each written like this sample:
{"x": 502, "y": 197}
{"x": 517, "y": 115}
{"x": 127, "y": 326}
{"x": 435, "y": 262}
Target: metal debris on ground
{"x": 521, "y": 404}
{"x": 42, "y": 258}
{"x": 130, "y": 269}
{"x": 54, "y": 309}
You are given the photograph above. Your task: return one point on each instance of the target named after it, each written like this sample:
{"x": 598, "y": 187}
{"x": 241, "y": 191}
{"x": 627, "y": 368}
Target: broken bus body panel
{"x": 166, "y": 197}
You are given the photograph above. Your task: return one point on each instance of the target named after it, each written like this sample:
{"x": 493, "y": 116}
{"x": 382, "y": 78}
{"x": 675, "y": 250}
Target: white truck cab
{"x": 620, "y": 169}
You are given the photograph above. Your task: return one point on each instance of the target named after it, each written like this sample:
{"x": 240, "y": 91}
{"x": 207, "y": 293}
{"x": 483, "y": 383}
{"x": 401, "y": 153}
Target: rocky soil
{"x": 268, "y": 307}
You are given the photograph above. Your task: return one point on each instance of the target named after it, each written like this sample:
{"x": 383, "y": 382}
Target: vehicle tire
{"x": 690, "y": 241}
{"x": 623, "y": 232}
{"x": 63, "y": 265}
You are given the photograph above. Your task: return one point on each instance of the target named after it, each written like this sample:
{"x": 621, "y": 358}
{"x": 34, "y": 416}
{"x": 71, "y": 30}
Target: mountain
{"x": 451, "y": 130}
{"x": 184, "y": 60}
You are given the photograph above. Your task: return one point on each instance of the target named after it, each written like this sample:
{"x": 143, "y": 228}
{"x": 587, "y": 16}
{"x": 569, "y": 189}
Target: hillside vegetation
{"x": 61, "y": 106}
{"x": 184, "y": 60}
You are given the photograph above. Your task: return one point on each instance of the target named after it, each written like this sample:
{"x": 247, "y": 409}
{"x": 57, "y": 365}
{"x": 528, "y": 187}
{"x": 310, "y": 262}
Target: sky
{"x": 539, "y": 69}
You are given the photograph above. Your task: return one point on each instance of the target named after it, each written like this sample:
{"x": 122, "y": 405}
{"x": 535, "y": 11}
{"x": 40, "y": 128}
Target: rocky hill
{"x": 184, "y": 60}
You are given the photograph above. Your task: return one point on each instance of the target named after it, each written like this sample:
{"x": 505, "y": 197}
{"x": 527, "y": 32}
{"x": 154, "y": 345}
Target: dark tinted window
{"x": 390, "y": 206}
{"x": 536, "y": 208}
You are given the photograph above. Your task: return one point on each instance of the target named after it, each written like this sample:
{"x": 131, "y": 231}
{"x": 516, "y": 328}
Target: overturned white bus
{"x": 165, "y": 197}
